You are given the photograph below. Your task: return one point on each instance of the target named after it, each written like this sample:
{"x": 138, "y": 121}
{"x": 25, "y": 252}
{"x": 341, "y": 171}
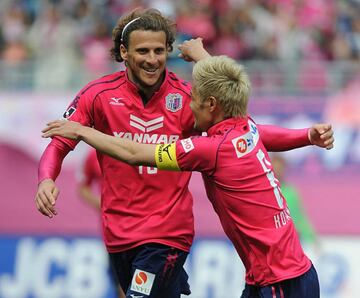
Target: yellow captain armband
{"x": 165, "y": 157}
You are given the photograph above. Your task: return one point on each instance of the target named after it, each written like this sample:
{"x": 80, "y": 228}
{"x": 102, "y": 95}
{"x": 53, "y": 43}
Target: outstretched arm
{"x": 125, "y": 150}
{"x": 277, "y": 138}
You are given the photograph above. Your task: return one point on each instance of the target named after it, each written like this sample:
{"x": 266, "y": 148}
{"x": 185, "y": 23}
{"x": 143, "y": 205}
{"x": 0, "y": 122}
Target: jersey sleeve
{"x": 191, "y": 154}
{"x": 277, "y": 138}
{"x": 79, "y": 110}
{"x": 51, "y": 160}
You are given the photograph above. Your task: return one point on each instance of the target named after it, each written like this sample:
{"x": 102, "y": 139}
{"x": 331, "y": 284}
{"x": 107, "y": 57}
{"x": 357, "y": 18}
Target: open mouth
{"x": 150, "y": 71}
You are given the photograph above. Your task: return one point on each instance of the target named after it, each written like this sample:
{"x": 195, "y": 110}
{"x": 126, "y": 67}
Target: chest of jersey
{"x": 123, "y": 114}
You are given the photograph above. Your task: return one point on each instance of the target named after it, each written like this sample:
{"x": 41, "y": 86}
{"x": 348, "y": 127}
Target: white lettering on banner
{"x": 56, "y": 268}
{"x": 215, "y": 270}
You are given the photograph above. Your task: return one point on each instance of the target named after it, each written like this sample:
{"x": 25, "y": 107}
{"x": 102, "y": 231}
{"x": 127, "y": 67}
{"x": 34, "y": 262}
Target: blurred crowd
{"x": 59, "y": 35}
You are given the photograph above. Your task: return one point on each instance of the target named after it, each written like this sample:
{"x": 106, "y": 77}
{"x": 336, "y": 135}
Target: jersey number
{"x": 149, "y": 170}
{"x": 270, "y": 175}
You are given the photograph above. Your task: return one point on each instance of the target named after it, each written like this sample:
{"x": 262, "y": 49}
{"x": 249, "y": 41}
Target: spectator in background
{"x": 13, "y": 30}
{"x": 291, "y": 194}
{"x": 53, "y": 40}
{"x": 95, "y": 50}
{"x": 89, "y": 189}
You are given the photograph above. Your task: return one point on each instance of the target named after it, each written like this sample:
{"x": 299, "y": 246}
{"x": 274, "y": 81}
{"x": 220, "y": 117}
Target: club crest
{"x": 173, "y": 102}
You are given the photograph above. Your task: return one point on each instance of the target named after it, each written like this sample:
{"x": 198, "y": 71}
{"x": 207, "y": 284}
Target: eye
{"x": 159, "y": 51}
{"x": 142, "y": 51}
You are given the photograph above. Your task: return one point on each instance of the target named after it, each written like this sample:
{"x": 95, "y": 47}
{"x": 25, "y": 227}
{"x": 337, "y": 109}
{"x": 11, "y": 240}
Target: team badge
{"x": 173, "y": 102}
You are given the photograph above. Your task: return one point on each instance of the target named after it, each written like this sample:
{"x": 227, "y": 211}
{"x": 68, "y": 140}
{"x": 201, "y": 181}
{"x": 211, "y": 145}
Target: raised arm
{"x": 277, "y": 138}
{"x": 193, "y": 50}
{"x": 125, "y": 150}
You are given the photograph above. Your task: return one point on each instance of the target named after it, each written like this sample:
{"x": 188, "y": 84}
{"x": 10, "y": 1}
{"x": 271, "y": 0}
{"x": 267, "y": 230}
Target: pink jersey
{"x": 241, "y": 186}
{"x": 91, "y": 174}
{"x": 139, "y": 204}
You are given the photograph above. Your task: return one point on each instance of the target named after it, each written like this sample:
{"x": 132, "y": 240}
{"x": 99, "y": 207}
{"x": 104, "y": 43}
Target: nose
{"x": 151, "y": 57}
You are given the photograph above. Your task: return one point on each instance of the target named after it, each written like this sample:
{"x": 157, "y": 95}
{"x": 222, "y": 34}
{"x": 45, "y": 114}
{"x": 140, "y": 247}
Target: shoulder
{"x": 200, "y": 144}
{"x": 179, "y": 84}
{"x": 104, "y": 83}
{"x": 197, "y": 153}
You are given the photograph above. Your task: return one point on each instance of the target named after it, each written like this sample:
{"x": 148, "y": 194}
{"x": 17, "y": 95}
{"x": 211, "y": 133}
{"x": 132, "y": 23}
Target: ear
{"x": 123, "y": 52}
{"x": 212, "y": 103}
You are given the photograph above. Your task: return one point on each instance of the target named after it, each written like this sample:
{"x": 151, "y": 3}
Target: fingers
{"x": 45, "y": 205}
{"x": 46, "y": 197}
{"x": 325, "y": 135}
{"x": 50, "y": 132}
{"x": 328, "y": 137}
{"x": 53, "y": 124}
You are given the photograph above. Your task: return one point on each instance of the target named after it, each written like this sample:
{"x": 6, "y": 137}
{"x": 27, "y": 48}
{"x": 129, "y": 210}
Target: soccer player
{"x": 238, "y": 176}
{"x": 148, "y": 228}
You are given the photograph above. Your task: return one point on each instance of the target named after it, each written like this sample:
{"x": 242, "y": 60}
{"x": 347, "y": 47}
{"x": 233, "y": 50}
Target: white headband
{"x": 126, "y": 26}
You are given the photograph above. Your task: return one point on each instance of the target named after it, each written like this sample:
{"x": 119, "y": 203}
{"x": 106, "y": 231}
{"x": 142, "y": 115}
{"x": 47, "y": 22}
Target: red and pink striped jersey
{"x": 240, "y": 183}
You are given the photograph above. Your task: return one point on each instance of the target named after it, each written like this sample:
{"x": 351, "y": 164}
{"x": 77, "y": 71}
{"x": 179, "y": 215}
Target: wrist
{"x": 309, "y": 136}
{"x": 81, "y": 132}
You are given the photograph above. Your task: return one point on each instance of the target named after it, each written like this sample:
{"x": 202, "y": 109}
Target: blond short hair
{"x": 226, "y": 80}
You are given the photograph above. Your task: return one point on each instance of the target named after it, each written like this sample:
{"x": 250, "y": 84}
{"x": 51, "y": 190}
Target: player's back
{"x": 252, "y": 210}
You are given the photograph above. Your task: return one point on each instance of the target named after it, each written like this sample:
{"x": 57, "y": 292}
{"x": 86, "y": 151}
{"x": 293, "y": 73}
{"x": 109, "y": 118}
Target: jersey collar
{"x": 135, "y": 89}
{"x": 225, "y": 125}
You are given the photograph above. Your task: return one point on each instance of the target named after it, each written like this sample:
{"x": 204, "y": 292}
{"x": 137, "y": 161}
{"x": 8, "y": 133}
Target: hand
{"x": 322, "y": 135}
{"x": 63, "y": 128}
{"x": 193, "y": 50}
{"x": 46, "y": 196}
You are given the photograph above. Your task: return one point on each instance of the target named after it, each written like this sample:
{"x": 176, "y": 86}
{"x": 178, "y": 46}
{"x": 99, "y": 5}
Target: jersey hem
{"x": 121, "y": 248}
{"x": 282, "y": 278}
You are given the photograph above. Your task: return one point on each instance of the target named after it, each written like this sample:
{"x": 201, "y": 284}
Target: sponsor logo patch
{"x": 142, "y": 282}
{"x": 173, "y": 102}
{"x": 247, "y": 142}
{"x": 69, "y": 112}
{"x": 72, "y": 108}
{"x": 187, "y": 145}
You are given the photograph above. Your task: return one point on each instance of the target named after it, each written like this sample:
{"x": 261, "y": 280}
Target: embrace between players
{"x": 146, "y": 206}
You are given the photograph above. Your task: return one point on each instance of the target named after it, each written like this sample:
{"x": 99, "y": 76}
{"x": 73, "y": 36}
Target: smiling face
{"x": 145, "y": 58}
